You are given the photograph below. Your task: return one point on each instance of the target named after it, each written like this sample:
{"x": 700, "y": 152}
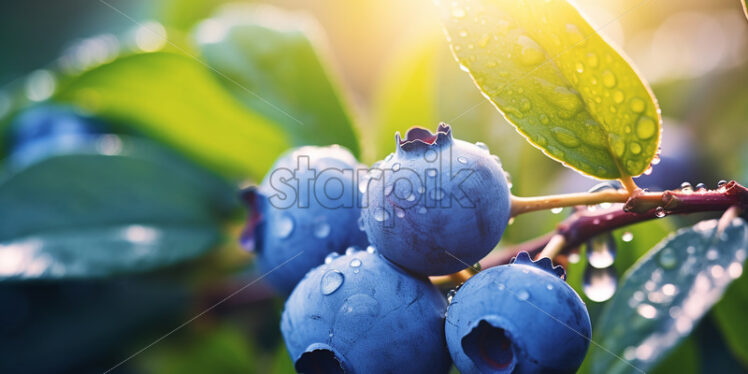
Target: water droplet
{"x": 321, "y": 230}
{"x": 701, "y": 186}
{"x": 645, "y": 128}
{"x": 525, "y": 105}
{"x": 579, "y": 67}
{"x": 599, "y": 284}
{"x": 522, "y": 295}
{"x": 411, "y": 197}
{"x": 635, "y": 148}
{"x": 421, "y": 190}
{"x": 389, "y": 157}
{"x": 371, "y": 249}
{"x": 617, "y": 96}
{"x": 450, "y": 295}
{"x": 422, "y": 210}
{"x": 660, "y": 212}
{"x": 565, "y": 137}
{"x": 619, "y": 146}
{"x": 656, "y": 160}
{"x": 396, "y": 166}
{"x": 361, "y": 223}
{"x": 627, "y": 237}
{"x": 609, "y": 80}
{"x": 601, "y": 251}
{"x": 462, "y": 160}
{"x": 431, "y": 172}
{"x": 566, "y": 100}
{"x": 437, "y": 194}
{"x": 557, "y": 210}
{"x": 549, "y": 286}
{"x": 381, "y": 215}
{"x": 355, "y": 263}
{"x": 544, "y": 119}
{"x": 351, "y": 250}
{"x": 531, "y": 54}
{"x": 331, "y": 281}
{"x": 481, "y": 145}
{"x": 686, "y": 187}
{"x": 501, "y": 286}
{"x": 721, "y": 183}
{"x": 332, "y": 256}
{"x": 284, "y": 226}
{"x": 647, "y": 311}
{"x": 463, "y": 33}
{"x": 637, "y": 105}
{"x": 399, "y": 212}
{"x": 668, "y": 258}
{"x": 575, "y": 36}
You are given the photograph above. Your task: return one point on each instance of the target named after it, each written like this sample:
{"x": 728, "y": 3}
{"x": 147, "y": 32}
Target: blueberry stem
{"x": 554, "y": 246}
{"x": 639, "y": 207}
{"x": 522, "y": 205}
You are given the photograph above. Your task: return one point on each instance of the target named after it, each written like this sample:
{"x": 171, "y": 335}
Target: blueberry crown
{"x": 545, "y": 263}
{"x": 420, "y": 138}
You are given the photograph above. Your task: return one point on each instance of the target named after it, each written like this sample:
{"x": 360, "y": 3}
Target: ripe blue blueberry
{"x": 306, "y": 207}
{"x": 47, "y": 130}
{"x": 436, "y": 205}
{"x": 357, "y": 313}
{"x": 518, "y": 318}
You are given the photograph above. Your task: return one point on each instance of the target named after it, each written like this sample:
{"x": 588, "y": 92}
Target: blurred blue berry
{"x": 518, "y": 318}
{"x": 47, "y": 130}
{"x": 306, "y": 207}
{"x": 438, "y": 204}
{"x": 357, "y": 313}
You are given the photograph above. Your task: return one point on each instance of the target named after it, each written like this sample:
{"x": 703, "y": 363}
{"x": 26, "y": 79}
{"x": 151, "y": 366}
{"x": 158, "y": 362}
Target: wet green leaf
{"x": 665, "y": 294}
{"x": 558, "y": 82}
{"x": 95, "y": 215}
{"x": 271, "y": 60}
{"x": 174, "y": 98}
{"x": 729, "y": 316}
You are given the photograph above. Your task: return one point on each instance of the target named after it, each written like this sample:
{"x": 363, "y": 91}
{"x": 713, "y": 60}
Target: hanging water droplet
{"x": 660, "y": 212}
{"x": 462, "y": 160}
{"x": 331, "y": 281}
{"x": 437, "y": 194}
{"x": 399, "y": 212}
{"x": 355, "y": 263}
{"x": 599, "y": 284}
{"x": 627, "y": 236}
{"x": 601, "y": 251}
{"x": 686, "y": 187}
{"x": 557, "y": 210}
{"x": 321, "y": 230}
{"x": 656, "y": 160}
{"x": 332, "y": 256}
{"x": 381, "y": 215}
{"x": 522, "y": 295}
{"x": 668, "y": 258}
{"x": 284, "y": 226}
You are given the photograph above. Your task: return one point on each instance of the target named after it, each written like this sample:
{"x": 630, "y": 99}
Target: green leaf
{"x": 174, "y": 99}
{"x": 558, "y": 82}
{"x": 94, "y": 215}
{"x": 729, "y": 316}
{"x": 665, "y": 294}
{"x": 270, "y": 60}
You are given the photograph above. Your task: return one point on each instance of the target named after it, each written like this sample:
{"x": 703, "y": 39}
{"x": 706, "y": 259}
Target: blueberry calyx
{"x": 491, "y": 346}
{"x": 545, "y": 263}
{"x": 251, "y": 238}
{"x": 320, "y": 358}
{"x": 419, "y": 138}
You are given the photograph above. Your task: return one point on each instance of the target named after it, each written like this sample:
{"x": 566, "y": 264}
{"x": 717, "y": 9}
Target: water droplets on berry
{"x": 284, "y": 226}
{"x": 331, "y": 281}
{"x": 381, "y": 215}
{"x": 462, "y": 160}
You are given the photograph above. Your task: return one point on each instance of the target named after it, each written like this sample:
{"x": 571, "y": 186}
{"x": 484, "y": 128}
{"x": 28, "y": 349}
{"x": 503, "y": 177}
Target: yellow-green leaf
{"x": 558, "y": 82}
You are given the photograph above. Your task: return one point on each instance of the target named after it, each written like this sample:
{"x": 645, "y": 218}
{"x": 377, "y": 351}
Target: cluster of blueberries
{"x": 355, "y": 252}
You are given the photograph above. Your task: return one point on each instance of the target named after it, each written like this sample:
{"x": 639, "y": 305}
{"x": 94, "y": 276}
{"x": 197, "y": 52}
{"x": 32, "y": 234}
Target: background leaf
{"x": 665, "y": 294}
{"x": 174, "y": 99}
{"x": 93, "y": 215}
{"x": 271, "y": 60}
{"x": 564, "y": 88}
{"x": 729, "y": 316}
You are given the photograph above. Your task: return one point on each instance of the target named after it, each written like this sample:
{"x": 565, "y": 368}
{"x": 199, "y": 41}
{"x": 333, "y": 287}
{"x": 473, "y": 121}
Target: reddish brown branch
{"x": 641, "y": 206}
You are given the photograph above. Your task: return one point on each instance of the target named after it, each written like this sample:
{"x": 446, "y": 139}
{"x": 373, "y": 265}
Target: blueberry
{"x": 306, "y": 207}
{"x": 357, "y": 313}
{"x": 518, "y": 318}
{"x": 48, "y": 130}
{"x": 437, "y": 204}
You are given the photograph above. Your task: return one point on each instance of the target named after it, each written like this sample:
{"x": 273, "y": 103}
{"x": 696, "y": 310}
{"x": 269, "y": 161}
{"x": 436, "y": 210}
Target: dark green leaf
{"x": 174, "y": 98}
{"x": 665, "y": 294}
{"x": 271, "y": 61}
{"x": 93, "y": 215}
{"x": 729, "y": 316}
{"x": 562, "y": 86}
